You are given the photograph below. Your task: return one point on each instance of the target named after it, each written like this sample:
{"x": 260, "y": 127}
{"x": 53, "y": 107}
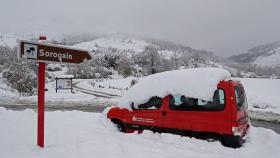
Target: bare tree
{"x": 150, "y": 53}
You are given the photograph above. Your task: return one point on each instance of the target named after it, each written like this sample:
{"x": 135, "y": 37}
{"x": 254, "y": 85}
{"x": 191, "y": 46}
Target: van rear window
{"x": 240, "y": 97}
{"x": 217, "y": 104}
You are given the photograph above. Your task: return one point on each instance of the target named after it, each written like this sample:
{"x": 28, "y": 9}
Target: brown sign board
{"x": 43, "y": 52}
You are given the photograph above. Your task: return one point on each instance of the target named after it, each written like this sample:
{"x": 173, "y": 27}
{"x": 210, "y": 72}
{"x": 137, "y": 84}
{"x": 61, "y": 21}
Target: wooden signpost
{"x": 45, "y": 53}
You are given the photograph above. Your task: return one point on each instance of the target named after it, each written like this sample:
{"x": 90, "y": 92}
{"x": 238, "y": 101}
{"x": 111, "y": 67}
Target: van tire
{"x": 119, "y": 125}
{"x": 232, "y": 141}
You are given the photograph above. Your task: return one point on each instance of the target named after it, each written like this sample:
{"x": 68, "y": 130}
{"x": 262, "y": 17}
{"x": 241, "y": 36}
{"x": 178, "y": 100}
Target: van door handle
{"x": 164, "y": 113}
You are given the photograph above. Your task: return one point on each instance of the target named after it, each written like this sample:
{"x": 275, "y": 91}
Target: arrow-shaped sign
{"x": 43, "y": 52}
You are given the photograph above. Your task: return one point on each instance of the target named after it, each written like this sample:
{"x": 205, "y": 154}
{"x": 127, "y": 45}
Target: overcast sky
{"x": 225, "y": 27}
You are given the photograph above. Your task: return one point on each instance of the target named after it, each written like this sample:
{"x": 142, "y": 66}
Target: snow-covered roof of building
{"x": 197, "y": 83}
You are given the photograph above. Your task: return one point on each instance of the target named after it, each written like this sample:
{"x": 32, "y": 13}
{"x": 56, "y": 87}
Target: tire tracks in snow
{"x": 93, "y": 92}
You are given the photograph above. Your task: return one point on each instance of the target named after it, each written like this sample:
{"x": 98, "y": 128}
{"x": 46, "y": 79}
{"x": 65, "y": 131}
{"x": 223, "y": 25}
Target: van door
{"x": 213, "y": 115}
{"x": 180, "y": 112}
{"x": 149, "y": 115}
{"x": 200, "y": 115}
{"x": 242, "y": 117}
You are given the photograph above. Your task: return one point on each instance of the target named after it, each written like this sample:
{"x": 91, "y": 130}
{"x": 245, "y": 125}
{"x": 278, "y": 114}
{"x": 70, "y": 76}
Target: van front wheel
{"x": 119, "y": 125}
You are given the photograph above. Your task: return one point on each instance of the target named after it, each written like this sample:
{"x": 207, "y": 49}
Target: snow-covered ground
{"x": 62, "y": 99}
{"x": 62, "y": 95}
{"x": 5, "y": 90}
{"x": 116, "y": 86}
{"x": 263, "y": 94}
{"x": 59, "y": 74}
{"x": 82, "y": 134}
{"x": 7, "y": 93}
{"x": 263, "y": 98}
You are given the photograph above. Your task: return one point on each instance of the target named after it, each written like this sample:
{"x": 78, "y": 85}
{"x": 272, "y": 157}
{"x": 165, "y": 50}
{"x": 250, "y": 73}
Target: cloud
{"x": 224, "y": 26}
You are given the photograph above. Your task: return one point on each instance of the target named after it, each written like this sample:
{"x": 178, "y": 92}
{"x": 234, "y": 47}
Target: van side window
{"x": 180, "y": 102}
{"x": 216, "y": 104}
{"x": 152, "y": 104}
{"x": 240, "y": 97}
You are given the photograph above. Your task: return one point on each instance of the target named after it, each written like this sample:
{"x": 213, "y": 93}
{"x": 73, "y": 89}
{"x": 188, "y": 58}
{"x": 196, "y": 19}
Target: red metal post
{"x": 41, "y": 102}
{"x": 41, "y": 106}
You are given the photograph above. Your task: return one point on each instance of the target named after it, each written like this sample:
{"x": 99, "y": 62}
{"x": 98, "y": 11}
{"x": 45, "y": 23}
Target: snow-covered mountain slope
{"x": 136, "y": 45}
{"x": 130, "y": 44}
{"x": 121, "y": 43}
{"x": 262, "y": 55}
{"x": 9, "y": 40}
{"x": 270, "y": 60}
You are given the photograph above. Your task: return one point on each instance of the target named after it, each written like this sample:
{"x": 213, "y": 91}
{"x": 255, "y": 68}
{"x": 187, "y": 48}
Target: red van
{"x": 224, "y": 118}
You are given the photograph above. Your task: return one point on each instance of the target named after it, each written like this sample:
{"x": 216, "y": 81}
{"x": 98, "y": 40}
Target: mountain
{"x": 143, "y": 56}
{"x": 117, "y": 42}
{"x": 137, "y": 45}
{"x": 262, "y": 55}
{"x": 9, "y": 40}
{"x": 123, "y": 52}
{"x": 120, "y": 42}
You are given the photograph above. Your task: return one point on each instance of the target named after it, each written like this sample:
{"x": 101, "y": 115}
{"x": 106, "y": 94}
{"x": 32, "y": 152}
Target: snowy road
{"x": 56, "y": 106}
{"x": 270, "y": 125}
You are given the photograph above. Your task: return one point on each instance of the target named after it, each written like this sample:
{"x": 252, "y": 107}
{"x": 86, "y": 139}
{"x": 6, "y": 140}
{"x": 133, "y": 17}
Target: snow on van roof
{"x": 196, "y": 83}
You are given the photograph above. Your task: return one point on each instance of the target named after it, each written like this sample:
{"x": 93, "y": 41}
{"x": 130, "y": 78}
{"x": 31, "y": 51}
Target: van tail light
{"x": 236, "y": 132}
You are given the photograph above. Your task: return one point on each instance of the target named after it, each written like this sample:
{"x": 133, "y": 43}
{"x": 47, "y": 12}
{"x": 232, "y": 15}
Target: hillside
{"x": 134, "y": 45}
{"x": 131, "y": 55}
{"x": 262, "y": 55}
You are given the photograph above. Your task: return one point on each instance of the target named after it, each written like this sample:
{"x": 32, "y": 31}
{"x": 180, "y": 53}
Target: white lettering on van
{"x": 138, "y": 119}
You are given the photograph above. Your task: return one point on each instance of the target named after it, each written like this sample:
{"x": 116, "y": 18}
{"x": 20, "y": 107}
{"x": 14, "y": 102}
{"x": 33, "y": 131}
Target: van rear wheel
{"x": 232, "y": 141}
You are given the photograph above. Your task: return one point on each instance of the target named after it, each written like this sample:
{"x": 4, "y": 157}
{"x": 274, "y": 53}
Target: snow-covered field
{"x": 115, "y": 86}
{"x": 63, "y": 95}
{"x": 63, "y": 98}
{"x": 263, "y": 98}
{"x": 263, "y": 94}
{"x": 82, "y": 134}
{"x": 7, "y": 94}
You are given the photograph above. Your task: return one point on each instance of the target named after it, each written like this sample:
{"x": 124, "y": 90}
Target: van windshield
{"x": 240, "y": 97}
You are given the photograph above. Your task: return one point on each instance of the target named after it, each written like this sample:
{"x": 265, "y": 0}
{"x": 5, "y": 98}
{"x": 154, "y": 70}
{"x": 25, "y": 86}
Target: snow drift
{"x": 197, "y": 83}
{"x": 81, "y": 134}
